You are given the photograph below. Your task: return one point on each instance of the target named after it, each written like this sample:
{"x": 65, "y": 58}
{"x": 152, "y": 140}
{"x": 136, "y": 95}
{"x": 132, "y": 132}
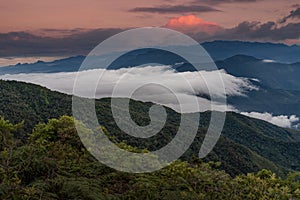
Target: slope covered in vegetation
{"x": 246, "y": 145}
{"x": 53, "y": 164}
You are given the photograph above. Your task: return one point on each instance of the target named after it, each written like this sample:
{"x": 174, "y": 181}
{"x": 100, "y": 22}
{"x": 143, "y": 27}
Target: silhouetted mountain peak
{"x": 244, "y": 43}
{"x": 242, "y": 58}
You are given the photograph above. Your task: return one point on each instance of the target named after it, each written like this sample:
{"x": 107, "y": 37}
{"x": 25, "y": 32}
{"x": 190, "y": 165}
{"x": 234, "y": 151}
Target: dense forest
{"x": 53, "y": 164}
{"x": 42, "y": 156}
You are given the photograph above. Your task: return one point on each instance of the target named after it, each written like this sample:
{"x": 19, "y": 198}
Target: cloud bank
{"x": 216, "y": 2}
{"x": 293, "y": 14}
{"x": 280, "y": 120}
{"x": 166, "y": 9}
{"x": 158, "y": 84}
{"x": 269, "y": 31}
{"x": 189, "y": 7}
{"x": 15, "y": 44}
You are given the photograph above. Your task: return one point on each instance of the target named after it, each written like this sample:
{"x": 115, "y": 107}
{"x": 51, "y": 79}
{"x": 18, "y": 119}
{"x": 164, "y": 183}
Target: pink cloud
{"x": 193, "y": 24}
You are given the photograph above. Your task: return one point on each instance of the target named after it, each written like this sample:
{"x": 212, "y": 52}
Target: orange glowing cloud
{"x": 192, "y": 24}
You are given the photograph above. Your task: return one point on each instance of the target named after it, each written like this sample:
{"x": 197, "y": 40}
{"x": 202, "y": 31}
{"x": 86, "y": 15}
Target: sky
{"x": 31, "y": 15}
{"x": 47, "y": 23}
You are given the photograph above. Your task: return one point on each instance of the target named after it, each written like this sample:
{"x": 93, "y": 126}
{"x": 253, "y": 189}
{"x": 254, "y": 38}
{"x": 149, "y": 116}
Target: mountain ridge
{"x": 234, "y": 149}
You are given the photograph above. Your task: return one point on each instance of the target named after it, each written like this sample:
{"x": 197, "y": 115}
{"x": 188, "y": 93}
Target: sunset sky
{"x": 206, "y": 20}
{"x": 20, "y": 15}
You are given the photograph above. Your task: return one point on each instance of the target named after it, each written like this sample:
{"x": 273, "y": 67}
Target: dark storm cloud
{"x": 163, "y": 9}
{"x": 62, "y": 30}
{"x": 255, "y": 31}
{"x": 213, "y": 2}
{"x": 293, "y": 14}
{"x": 26, "y": 44}
{"x": 192, "y": 6}
{"x": 264, "y": 31}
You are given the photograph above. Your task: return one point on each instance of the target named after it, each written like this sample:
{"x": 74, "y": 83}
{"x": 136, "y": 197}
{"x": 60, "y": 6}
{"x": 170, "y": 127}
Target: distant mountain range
{"x": 272, "y": 74}
{"x": 220, "y": 50}
{"x": 278, "y": 83}
{"x": 70, "y": 64}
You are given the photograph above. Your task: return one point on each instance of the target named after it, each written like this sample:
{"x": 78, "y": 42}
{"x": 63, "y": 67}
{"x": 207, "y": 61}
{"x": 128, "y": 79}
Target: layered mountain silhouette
{"x": 274, "y": 70}
{"x": 218, "y": 50}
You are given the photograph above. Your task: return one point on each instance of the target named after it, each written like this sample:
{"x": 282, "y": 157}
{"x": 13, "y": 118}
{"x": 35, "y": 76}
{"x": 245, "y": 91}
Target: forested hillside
{"x": 53, "y": 164}
{"x": 246, "y": 145}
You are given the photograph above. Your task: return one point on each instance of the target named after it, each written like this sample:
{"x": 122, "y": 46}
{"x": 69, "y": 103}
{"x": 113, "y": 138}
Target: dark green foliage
{"x": 52, "y": 164}
{"x": 22, "y": 101}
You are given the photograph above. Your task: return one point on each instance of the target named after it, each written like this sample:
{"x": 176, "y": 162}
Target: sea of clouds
{"x": 279, "y": 120}
{"x": 158, "y": 84}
